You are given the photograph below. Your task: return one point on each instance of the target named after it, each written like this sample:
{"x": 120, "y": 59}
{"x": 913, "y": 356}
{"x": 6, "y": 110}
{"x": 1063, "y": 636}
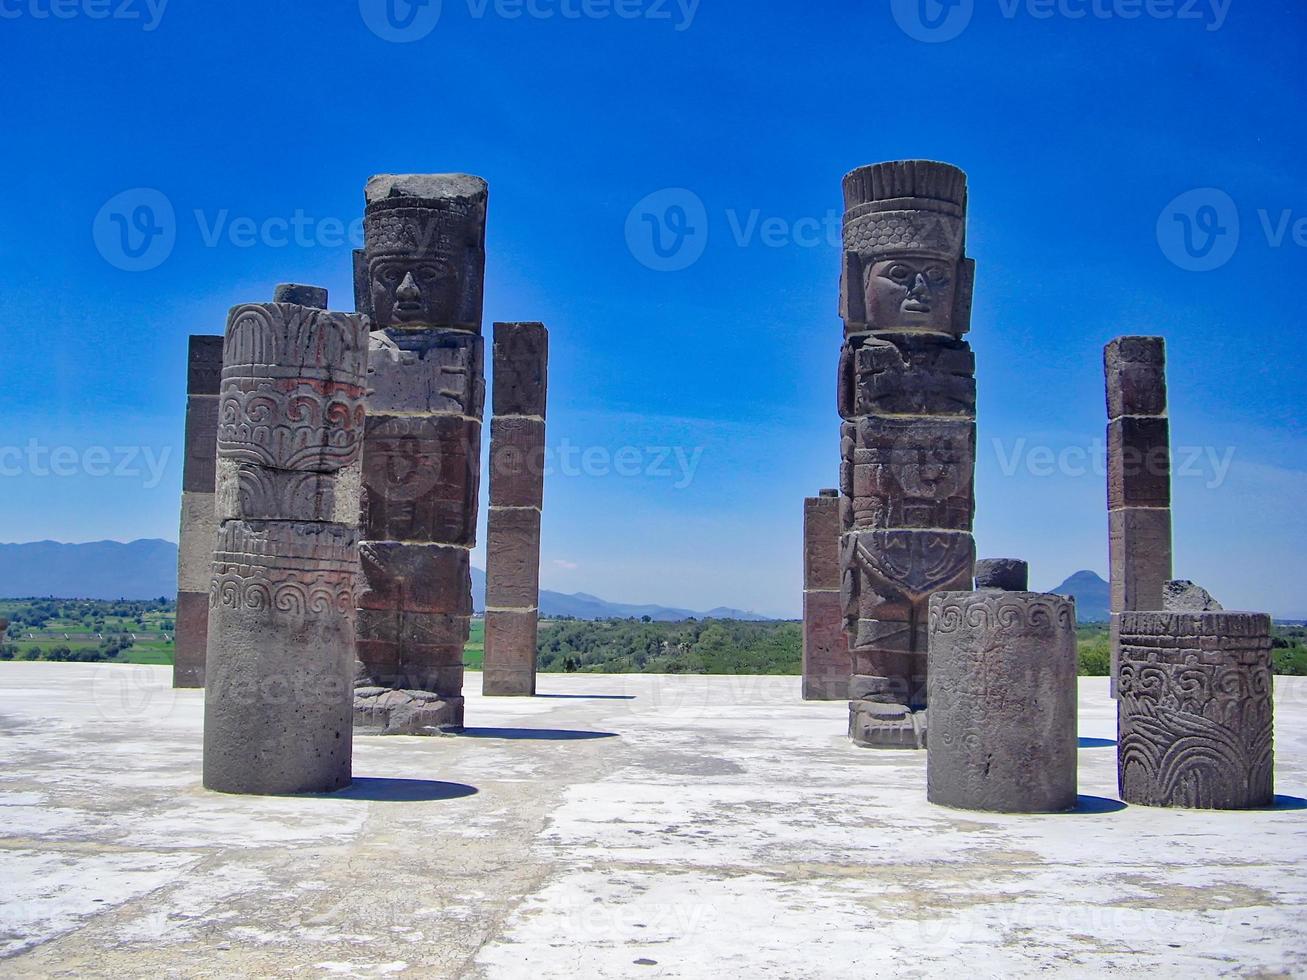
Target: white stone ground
{"x": 726, "y": 829}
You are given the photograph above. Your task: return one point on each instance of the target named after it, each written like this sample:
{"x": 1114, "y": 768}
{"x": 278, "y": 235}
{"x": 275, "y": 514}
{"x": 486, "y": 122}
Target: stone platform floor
{"x": 621, "y": 826}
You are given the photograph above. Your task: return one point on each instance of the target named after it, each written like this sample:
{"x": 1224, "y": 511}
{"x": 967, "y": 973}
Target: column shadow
{"x": 1097, "y": 743}
{"x": 534, "y": 734}
{"x": 1091, "y": 805}
{"x": 1287, "y": 803}
{"x": 381, "y": 789}
{"x": 589, "y": 697}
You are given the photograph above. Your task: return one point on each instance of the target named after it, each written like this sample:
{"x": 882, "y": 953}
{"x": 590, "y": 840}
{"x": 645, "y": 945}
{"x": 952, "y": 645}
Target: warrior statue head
{"x": 905, "y": 268}
{"x": 425, "y": 248}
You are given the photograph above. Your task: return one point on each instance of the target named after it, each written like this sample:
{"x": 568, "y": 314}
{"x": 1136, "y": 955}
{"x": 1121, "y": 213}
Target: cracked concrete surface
{"x": 625, "y": 826}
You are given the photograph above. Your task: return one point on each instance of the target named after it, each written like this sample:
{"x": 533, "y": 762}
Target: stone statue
{"x": 907, "y": 394}
{"x": 420, "y": 278}
{"x": 281, "y": 650}
{"x": 517, "y": 479}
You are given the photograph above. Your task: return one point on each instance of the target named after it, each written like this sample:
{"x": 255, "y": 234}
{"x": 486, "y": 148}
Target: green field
{"x": 141, "y": 633}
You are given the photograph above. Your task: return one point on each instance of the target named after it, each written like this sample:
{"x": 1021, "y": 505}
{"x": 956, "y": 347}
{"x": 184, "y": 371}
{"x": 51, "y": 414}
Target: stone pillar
{"x": 1195, "y": 718}
{"x": 278, "y": 708}
{"x": 1002, "y": 702}
{"x": 198, "y": 524}
{"x": 1007, "y": 574}
{"x": 420, "y": 278}
{"x": 907, "y": 394}
{"x": 826, "y": 662}
{"x": 517, "y": 445}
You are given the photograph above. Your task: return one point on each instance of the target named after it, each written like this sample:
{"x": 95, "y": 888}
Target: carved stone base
{"x": 381, "y": 711}
{"x": 874, "y": 725}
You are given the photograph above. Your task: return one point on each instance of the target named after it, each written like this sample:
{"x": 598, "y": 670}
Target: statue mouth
{"x": 408, "y": 310}
{"x": 916, "y": 306}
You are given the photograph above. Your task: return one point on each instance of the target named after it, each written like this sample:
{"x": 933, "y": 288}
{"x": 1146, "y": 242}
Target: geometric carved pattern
{"x": 1196, "y": 710}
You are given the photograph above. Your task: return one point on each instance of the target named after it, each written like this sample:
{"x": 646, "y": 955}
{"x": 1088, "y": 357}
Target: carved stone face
{"x": 413, "y": 292}
{"x": 910, "y": 292}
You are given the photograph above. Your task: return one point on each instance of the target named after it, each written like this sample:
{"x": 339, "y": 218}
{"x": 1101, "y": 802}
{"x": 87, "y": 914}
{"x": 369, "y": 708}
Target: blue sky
{"x": 1079, "y": 134}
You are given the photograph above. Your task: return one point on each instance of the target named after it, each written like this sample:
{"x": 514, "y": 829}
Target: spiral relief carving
{"x": 1196, "y": 722}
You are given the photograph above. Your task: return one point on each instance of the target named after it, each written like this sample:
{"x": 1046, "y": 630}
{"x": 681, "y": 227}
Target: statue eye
{"x": 938, "y": 276}
{"x": 900, "y": 273}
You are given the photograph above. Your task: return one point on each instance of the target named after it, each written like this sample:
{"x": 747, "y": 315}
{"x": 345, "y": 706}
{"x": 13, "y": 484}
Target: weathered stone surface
{"x": 511, "y": 644}
{"x": 204, "y": 365}
{"x": 517, "y": 462}
{"x": 421, "y": 477}
{"x": 190, "y": 639}
{"x": 821, "y": 543}
{"x": 426, "y": 371}
{"x": 521, "y": 357}
{"x": 513, "y": 565}
{"x": 877, "y": 725}
{"x": 1002, "y": 695}
{"x": 257, "y": 493}
{"x": 421, "y": 278}
{"x": 1008, "y": 574}
{"x": 1135, "y": 370}
{"x": 1138, "y": 479}
{"x": 1195, "y": 719}
{"x": 907, "y": 394}
{"x": 826, "y": 661}
{"x": 425, "y": 578}
{"x": 198, "y": 529}
{"x": 282, "y": 601}
{"x": 384, "y": 711}
{"x": 311, "y": 296}
{"x": 1182, "y": 595}
{"x": 198, "y": 468}
{"x": 1139, "y": 462}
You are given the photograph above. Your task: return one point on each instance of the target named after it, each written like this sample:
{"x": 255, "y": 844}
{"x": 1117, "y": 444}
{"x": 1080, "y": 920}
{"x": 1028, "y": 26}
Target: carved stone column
{"x": 826, "y": 661}
{"x": 1002, "y": 702}
{"x": 1138, "y": 480}
{"x": 199, "y": 526}
{"x": 281, "y": 652}
{"x": 1196, "y": 711}
{"x": 420, "y": 278}
{"x": 517, "y": 444}
{"x": 907, "y": 394}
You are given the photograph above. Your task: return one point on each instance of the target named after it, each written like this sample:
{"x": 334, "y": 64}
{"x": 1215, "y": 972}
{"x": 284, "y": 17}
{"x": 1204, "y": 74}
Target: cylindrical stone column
{"x": 284, "y": 588}
{"x": 517, "y": 477}
{"x": 199, "y": 524}
{"x": 1195, "y": 716}
{"x": 826, "y": 660}
{"x": 1002, "y": 689}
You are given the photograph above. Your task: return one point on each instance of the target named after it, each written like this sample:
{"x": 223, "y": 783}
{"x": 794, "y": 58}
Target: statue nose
{"x": 920, "y": 287}
{"x": 408, "y": 291}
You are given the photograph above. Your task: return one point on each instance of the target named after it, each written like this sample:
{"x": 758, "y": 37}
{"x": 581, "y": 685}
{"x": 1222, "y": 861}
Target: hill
{"x": 1092, "y": 595}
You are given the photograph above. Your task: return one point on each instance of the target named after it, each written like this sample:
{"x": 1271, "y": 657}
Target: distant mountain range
{"x": 101, "y": 570}
{"x": 1093, "y": 596}
{"x": 148, "y": 570}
